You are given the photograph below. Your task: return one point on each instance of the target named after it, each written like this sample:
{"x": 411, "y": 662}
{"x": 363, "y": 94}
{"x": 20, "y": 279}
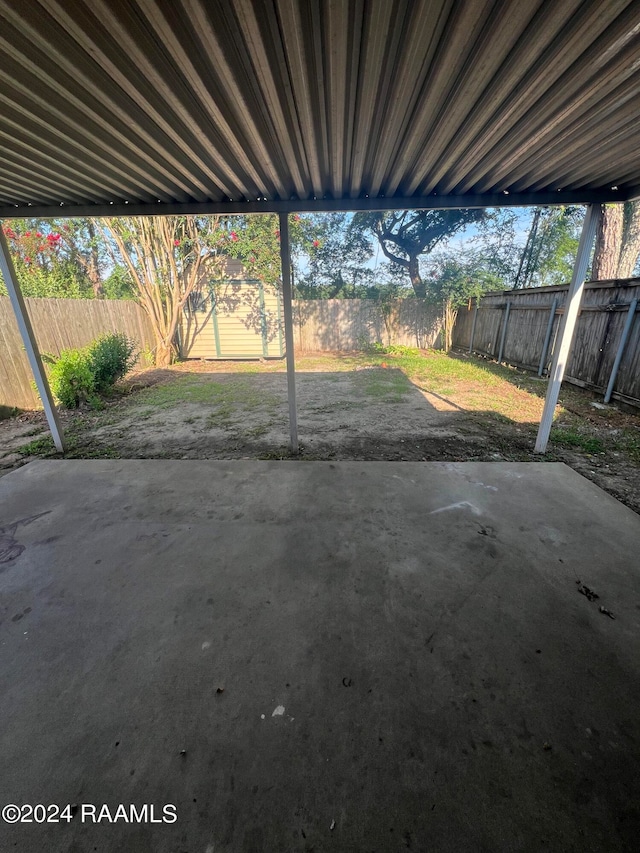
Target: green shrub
{"x": 71, "y": 377}
{"x": 400, "y": 349}
{"x": 112, "y": 356}
{"x": 77, "y": 374}
{"x": 393, "y": 349}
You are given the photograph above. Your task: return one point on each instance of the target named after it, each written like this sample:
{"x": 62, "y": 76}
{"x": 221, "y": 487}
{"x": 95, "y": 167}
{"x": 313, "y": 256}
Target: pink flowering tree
{"x": 58, "y": 257}
{"x": 255, "y": 240}
{"x": 43, "y": 263}
{"x": 168, "y": 258}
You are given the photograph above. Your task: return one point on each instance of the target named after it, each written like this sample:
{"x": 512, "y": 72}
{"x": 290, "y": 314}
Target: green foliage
{"x": 38, "y": 447}
{"x": 46, "y": 256}
{"x": 71, "y": 377}
{"x": 119, "y": 284}
{"x": 394, "y": 349}
{"x": 60, "y": 282}
{"x": 111, "y": 357}
{"x": 552, "y": 243}
{"x": 407, "y": 235}
{"x": 8, "y": 411}
{"x": 577, "y": 438}
{"x": 559, "y": 245}
{"x": 77, "y": 375}
{"x": 255, "y": 240}
{"x": 337, "y": 259}
{"x": 458, "y": 278}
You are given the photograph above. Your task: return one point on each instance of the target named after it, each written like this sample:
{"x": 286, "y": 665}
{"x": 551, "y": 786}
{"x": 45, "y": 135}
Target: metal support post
{"x": 547, "y": 338}
{"x": 504, "y": 331}
{"x": 287, "y": 304}
{"x": 568, "y": 324}
{"x": 29, "y": 341}
{"x": 623, "y": 342}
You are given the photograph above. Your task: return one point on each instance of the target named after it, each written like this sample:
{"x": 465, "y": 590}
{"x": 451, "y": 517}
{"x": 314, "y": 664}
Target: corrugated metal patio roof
{"x": 243, "y": 105}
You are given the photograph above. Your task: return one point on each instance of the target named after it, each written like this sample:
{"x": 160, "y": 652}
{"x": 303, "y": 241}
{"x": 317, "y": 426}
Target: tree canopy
{"x": 446, "y": 255}
{"x": 407, "y": 235}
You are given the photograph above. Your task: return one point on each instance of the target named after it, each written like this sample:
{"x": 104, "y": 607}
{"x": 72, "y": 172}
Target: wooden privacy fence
{"x": 334, "y": 325}
{"x": 61, "y": 324}
{"x": 520, "y": 327}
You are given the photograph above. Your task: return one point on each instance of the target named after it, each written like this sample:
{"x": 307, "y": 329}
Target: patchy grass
{"x": 401, "y": 403}
{"x": 204, "y": 390}
{"x": 577, "y": 438}
{"x": 77, "y": 448}
{"x": 39, "y": 447}
{"x": 629, "y": 444}
{"x": 389, "y": 386}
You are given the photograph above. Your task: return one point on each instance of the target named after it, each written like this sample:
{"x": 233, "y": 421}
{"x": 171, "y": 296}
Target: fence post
{"x": 473, "y": 327}
{"x": 504, "y": 331}
{"x": 30, "y": 343}
{"x": 568, "y": 324}
{"x": 547, "y": 338}
{"x": 623, "y": 342}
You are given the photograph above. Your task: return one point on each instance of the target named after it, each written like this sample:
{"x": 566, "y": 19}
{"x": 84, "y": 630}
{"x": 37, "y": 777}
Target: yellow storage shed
{"x": 239, "y": 317}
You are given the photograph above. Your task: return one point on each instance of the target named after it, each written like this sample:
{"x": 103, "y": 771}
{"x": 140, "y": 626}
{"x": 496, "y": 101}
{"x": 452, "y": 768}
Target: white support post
{"x": 287, "y": 304}
{"x": 568, "y": 324}
{"x": 29, "y": 341}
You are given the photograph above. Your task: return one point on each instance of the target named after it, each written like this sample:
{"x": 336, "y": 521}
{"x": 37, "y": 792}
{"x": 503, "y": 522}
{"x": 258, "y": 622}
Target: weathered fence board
{"x": 61, "y": 324}
{"x": 334, "y": 325}
{"x": 603, "y": 313}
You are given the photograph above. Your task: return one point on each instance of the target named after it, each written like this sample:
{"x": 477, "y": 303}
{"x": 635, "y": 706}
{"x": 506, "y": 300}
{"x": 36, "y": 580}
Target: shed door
{"x": 247, "y": 320}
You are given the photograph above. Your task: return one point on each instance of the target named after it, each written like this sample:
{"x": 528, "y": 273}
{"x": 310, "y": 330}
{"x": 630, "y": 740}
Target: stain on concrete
{"x": 10, "y": 548}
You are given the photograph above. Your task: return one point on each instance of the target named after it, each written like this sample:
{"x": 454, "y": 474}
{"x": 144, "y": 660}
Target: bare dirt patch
{"x": 420, "y": 406}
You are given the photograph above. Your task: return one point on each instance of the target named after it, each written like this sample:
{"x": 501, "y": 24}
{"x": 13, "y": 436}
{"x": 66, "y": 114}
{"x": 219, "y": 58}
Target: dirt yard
{"x": 408, "y": 405}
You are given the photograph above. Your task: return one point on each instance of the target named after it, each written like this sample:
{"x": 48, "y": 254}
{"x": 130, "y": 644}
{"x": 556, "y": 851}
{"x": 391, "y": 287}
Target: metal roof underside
{"x": 244, "y": 105}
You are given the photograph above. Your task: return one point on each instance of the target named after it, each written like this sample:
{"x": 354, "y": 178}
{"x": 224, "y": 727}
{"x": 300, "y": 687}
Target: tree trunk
{"x": 93, "y": 266}
{"x": 608, "y": 242}
{"x": 164, "y": 354}
{"x": 419, "y": 287}
{"x": 450, "y": 316}
{"x": 630, "y": 240}
{"x": 96, "y": 282}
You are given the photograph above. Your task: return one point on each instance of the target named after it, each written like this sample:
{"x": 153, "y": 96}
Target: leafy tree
{"x": 43, "y": 266}
{"x": 407, "y": 235}
{"x": 84, "y": 248}
{"x": 551, "y": 247}
{"x": 168, "y": 258}
{"x": 456, "y": 279}
{"x": 118, "y": 284}
{"x": 495, "y": 245}
{"x": 255, "y": 240}
{"x": 337, "y": 258}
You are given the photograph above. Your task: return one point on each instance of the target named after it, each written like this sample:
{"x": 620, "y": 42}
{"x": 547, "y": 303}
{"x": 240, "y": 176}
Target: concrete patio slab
{"x": 318, "y": 657}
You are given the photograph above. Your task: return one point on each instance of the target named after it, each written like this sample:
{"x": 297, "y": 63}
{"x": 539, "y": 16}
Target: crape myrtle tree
{"x": 255, "y": 240}
{"x": 168, "y": 258}
{"x": 405, "y": 236}
{"x": 64, "y": 258}
{"x": 45, "y": 264}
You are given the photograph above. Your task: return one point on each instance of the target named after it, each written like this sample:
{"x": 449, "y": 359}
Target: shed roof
{"x": 111, "y": 106}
